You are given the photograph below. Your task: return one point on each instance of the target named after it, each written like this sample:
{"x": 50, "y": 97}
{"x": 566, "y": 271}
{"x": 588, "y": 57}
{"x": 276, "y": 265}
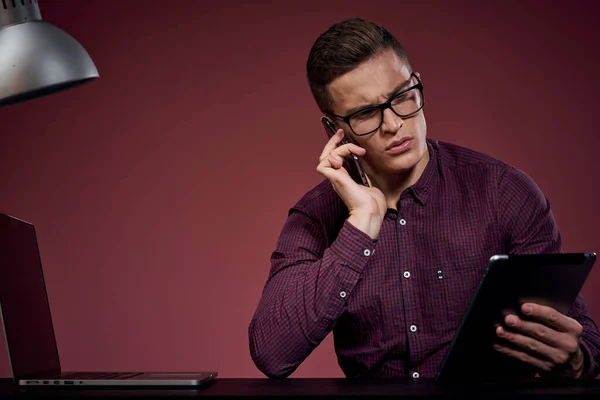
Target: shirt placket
{"x": 409, "y": 282}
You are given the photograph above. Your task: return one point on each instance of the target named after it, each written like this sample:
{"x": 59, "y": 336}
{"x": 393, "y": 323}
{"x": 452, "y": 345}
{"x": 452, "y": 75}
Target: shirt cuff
{"x": 354, "y": 247}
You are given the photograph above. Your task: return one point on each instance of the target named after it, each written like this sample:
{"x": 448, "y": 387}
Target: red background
{"x": 159, "y": 190}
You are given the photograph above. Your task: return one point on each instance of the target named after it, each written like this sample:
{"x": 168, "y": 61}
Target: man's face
{"x": 374, "y": 82}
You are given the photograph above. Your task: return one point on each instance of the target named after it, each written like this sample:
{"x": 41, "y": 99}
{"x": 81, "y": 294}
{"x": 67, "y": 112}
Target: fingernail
{"x": 527, "y": 309}
{"x": 511, "y": 321}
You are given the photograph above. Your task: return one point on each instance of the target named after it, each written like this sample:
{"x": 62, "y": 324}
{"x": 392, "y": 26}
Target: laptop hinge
{"x": 38, "y": 375}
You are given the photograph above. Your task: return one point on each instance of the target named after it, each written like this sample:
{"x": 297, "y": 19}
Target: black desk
{"x": 323, "y": 388}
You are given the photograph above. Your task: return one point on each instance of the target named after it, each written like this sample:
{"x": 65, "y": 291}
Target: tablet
{"x": 553, "y": 280}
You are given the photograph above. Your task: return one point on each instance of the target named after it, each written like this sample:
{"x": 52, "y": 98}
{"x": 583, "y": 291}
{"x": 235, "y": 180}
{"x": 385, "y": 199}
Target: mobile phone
{"x": 356, "y": 172}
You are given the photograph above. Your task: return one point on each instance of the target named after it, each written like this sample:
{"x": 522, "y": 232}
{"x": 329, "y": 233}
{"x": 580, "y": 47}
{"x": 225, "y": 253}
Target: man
{"x": 391, "y": 267}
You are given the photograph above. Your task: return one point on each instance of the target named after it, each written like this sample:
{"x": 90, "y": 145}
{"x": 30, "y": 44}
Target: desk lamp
{"x": 37, "y": 58}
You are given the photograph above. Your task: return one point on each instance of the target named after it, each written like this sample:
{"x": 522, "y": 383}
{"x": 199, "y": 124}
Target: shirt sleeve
{"x": 305, "y": 292}
{"x": 529, "y": 227}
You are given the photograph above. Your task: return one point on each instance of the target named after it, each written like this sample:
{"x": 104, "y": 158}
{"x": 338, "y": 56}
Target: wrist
{"x": 367, "y": 222}
{"x": 578, "y": 363}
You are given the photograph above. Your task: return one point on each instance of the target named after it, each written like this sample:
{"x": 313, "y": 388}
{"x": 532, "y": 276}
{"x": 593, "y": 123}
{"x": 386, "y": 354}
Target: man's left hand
{"x": 547, "y": 339}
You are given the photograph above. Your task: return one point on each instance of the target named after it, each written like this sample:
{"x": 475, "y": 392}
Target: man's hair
{"x": 342, "y": 48}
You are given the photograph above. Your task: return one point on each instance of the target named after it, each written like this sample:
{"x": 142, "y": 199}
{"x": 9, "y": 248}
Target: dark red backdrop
{"x": 158, "y": 191}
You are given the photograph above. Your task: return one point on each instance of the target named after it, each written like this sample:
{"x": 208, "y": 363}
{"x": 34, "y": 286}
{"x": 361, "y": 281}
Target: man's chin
{"x": 402, "y": 164}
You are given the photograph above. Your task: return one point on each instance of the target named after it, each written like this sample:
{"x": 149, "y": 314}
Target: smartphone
{"x": 356, "y": 171}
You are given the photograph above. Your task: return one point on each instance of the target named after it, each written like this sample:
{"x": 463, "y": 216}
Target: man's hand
{"x": 367, "y": 205}
{"x": 546, "y": 339}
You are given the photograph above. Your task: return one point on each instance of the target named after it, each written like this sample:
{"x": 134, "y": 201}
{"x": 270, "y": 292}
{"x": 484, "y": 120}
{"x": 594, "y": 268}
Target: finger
{"x": 551, "y": 317}
{"x": 331, "y": 160}
{"x": 523, "y": 356}
{"x": 534, "y": 347}
{"x": 339, "y": 177}
{"x": 349, "y": 148}
{"x": 534, "y": 329}
{"x": 335, "y": 161}
{"x": 369, "y": 180}
{"x": 332, "y": 143}
{"x": 331, "y": 163}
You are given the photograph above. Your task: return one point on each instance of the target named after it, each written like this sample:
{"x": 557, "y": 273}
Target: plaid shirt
{"x": 394, "y": 303}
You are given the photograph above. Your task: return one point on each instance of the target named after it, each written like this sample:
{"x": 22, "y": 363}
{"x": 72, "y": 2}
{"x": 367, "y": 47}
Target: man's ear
{"x": 332, "y": 121}
{"x": 347, "y": 137}
{"x": 327, "y": 125}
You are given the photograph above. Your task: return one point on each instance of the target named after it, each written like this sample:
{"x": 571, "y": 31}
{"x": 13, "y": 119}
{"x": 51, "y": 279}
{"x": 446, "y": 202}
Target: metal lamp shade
{"x": 37, "y": 58}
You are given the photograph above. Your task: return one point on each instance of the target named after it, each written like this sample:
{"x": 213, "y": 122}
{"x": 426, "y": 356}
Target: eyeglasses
{"x": 404, "y": 104}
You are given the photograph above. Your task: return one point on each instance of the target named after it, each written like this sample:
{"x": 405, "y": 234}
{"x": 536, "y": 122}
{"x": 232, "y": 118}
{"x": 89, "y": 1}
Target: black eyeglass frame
{"x": 382, "y": 107}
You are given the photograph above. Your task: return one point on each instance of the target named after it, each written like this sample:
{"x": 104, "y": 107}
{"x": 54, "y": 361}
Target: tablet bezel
{"x": 559, "y": 278}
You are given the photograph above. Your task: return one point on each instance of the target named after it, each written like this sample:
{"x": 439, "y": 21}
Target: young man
{"x": 391, "y": 267}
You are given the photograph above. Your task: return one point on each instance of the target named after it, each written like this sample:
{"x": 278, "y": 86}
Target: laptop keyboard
{"x": 100, "y": 375}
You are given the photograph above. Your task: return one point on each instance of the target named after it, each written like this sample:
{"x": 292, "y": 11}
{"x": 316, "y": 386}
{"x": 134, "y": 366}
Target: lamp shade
{"x": 37, "y": 58}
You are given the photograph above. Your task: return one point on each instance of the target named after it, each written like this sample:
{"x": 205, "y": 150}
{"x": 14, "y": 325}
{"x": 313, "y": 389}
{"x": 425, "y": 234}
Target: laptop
{"x": 28, "y": 327}
{"x": 553, "y": 280}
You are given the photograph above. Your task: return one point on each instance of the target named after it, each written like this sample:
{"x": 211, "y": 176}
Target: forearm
{"x": 301, "y": 303}
{"x": 296, "y": 314}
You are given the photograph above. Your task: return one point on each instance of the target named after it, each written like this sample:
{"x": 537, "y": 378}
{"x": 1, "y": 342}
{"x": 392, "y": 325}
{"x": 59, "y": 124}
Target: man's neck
{"x": 392, "y": 185}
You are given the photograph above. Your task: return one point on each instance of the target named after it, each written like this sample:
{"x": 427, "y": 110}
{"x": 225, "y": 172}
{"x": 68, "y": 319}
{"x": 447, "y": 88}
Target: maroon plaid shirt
{"x": 394, "y": 303}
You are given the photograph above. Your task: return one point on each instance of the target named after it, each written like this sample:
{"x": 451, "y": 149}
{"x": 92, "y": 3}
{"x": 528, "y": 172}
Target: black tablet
{"x": 553, "y": 280}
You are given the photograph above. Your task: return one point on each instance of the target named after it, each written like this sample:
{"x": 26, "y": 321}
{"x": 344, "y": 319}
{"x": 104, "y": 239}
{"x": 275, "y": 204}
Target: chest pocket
{"x": 447, "y": 288}
{"x": 462, "y": 267}
{"x": 458, "y": 281}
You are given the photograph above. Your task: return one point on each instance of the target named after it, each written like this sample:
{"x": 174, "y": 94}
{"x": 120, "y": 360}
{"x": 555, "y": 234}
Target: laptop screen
{"x": 24, "y": 302}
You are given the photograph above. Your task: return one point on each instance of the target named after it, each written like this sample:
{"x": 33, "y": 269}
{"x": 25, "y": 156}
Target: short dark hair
{"x": 342, "y": 48}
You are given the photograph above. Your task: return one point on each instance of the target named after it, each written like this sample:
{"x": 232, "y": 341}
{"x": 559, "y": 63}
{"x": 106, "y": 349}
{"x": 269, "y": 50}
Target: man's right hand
{"x": 367, "y": 205}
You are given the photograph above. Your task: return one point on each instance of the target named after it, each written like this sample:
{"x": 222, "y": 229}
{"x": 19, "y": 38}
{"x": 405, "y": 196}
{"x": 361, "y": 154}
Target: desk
{"x": 326, "y": 388}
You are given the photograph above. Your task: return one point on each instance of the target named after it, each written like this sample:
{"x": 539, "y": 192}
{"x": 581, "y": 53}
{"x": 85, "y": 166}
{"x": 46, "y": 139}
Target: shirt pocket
{"x": 458, "y": 282}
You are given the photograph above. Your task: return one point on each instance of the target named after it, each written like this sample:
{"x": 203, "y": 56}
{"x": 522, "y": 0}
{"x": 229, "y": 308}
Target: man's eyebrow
{"x": 400, "y": 88}
{"x": 394, "y": 91}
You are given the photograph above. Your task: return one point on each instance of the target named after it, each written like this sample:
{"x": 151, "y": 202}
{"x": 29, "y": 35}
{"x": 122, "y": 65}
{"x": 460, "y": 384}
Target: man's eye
{"x": 365, "y": 114}
{"x": 403, "y": 97}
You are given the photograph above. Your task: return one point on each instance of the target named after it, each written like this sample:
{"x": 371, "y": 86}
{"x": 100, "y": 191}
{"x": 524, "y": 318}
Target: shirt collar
{"x": 429, "y": 178}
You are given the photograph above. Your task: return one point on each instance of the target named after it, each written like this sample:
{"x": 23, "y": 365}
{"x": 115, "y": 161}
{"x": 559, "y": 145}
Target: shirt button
{"x": 415, "y": 375}
{"x": 402, "y": 221}
{"x": 342, "y": 294}
{"x": 406, "y": 274}
{"x": 413, "y": 328}
{"x": 367, "y": 252}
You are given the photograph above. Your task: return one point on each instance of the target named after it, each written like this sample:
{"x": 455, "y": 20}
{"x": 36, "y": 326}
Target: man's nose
{"x": 391, "y": 122}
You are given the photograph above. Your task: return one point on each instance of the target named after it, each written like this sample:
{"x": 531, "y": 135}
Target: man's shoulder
{"x": 320, "y": 200}
{"x": 460, "y": 160}
{"x": 455, "y": 155}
